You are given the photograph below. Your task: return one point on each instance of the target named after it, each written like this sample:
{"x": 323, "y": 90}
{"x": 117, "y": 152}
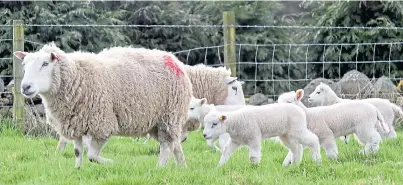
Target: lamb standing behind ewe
{"x": 249, "y": 125}
{"x": 86, "y": 94}
{"x": 235, "y": 91}
{"x": 341, "y": 119}
{"x": 324, "y": 96}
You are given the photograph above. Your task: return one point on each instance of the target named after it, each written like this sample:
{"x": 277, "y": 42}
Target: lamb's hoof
{"x": 363, "y": 152}
{"x": 287, "y": 163}
{"x": 254, "y": 160}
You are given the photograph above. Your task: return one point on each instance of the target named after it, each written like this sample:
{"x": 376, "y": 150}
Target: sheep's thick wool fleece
{"x": 117, "y": 93}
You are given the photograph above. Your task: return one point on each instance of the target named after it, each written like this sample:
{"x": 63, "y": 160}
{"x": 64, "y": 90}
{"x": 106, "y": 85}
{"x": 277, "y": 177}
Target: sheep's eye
{"x": 45, "y": 64}
{"x": 234, "y": 88}
{"x": 317, "y": 92}
{"x": 192, "y": 108}
{"x": 215, "y": 124}
{"x": 288, "y": 102}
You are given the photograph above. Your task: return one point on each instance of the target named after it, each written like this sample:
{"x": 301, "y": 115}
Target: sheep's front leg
{"x": 78, "y": 151}
{"x": 166, "y": 149}
{"x": 94, "y": 149}
{"x": 255, "y": 152}
{"x": 61, "y": 145}
{"x": 226, "y": 154}
{"x": 210, "y": 143}
{"x": 223, "y": 141}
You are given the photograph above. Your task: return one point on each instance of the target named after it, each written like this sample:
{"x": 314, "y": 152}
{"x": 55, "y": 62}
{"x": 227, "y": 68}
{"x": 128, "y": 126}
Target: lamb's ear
{"x": 54, "y": 57}
{"x": 242, "y": 82}
{"x": 203, "y": 101}
{"x": 222, "y": 117}
{"x": 229, "y": 79}
{"x": 20, "y": 54}
{"x": 299, "y": 94}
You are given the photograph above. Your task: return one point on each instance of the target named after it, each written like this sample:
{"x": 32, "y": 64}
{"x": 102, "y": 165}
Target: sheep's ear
{"x": 20, "y": 54}
{"x": 299, "y": 94}
{"x": 242, "y": 82}
{"x": 203, "y": 101}
{"x": 222, "y": 118}
{"x": 54, "y": 57}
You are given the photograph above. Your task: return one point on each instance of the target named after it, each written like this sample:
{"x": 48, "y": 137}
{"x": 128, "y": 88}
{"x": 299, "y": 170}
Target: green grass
{"x": 32, "y": 160}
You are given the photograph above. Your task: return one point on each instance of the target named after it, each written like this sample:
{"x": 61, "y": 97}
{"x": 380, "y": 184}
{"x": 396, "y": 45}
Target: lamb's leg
{"x": 307, "y": 138}
{"x": 329, "y": 144}
{"x": 178, "y": 154}
{"x": 255, "y": 149}
{"x": 370, "y": 137}
{"x": 295, "y": 151}
{"x": 211, "y": 143}
{"x": 78, "y": 151}
{"x": 94, "y": 149}
{"x": 229, "y": 149}
{"x": 166, "y": 149}
{"x": 223, "y": 141}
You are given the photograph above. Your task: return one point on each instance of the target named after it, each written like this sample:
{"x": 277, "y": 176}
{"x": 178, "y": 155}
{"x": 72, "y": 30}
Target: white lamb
{"x": 235, "y": 91}
{"x": 249, "y": 125}
{"x": 341, "y": 119}
{"x": 199, "y": 108}
{"x": 324, "y": 95}
{"x": 85, "y": 94}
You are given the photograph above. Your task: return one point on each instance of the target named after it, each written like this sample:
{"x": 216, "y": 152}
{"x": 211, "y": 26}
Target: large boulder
{"x": 355, "y": 85}
{"x": 258, "y": 99}
{"x": 385, "y": 88}
{"x": 310, "y": 87}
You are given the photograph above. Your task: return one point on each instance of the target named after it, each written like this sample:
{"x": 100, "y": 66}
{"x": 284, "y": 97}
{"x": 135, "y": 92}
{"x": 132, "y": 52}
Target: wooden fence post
{"x": 229, "y": 41}
{"x": 18, "y": 100}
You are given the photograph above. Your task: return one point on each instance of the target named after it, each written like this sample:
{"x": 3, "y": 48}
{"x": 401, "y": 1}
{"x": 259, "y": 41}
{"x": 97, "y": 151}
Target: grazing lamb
{"x": 86, "y": 94}
{"x": 340, "y": 119}
{"x": 199, "y": 108}
{"x": 324, "y": 96}
{"x": 248, "y": 126}
{"x": 235, "y": 91}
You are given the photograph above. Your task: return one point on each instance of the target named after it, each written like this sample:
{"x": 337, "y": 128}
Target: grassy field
{"x": 32, "y": 160}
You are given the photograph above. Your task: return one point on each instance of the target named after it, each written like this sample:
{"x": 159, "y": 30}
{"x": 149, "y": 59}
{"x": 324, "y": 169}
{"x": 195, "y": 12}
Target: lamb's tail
{"x": 382, "y": 121}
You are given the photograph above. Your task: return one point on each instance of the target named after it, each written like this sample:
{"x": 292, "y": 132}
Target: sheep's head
{"x": 214, "y": 124}
{"x": 319, "y": 94}
{"x": 291, "y": 97}
{"x": 38, "y": 71}
{"x": 234, "y": 86}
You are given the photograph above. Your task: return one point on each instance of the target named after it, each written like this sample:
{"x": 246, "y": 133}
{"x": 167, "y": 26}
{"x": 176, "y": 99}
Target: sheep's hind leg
{"x": 295, "y": 151}
{"x": 94, "y": 149}
{"x": 166, "y": 149}
{"x": 178, "y": 154}
{"x": 371, "y": 138}
{"x": 229, "y": 149}
{"x": 78, "y": 151}
{"x": 329, "y": 144}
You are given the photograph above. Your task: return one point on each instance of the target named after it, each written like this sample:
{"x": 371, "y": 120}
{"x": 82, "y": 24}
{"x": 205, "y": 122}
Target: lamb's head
{"x": 294, "y": 97}
{"x": 234, "y": 86}
{"x": 199, "y": 108}
{"x": 39, "y": 68}
{"x": 319, "y": 94}
{"x": 214, "y": 124}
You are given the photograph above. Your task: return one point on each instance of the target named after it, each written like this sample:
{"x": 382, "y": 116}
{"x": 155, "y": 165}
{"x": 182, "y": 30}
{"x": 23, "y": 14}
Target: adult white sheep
{"x": 199, "y": 108}
{"x": 235, "y": 91}
{"x": 249, "y": 125}
{"x": 99, "y": 96}
{"x": 340, "y": 119}
{"x": 324, "y": 95}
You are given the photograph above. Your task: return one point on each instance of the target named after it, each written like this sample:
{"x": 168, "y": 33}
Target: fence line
{"x": 210, "y": 26}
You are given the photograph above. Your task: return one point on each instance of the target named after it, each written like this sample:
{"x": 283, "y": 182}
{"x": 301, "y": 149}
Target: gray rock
{"x": 257, "y": 99}
{"x": 310, "y": 87}
{"x": 355, "y": 85}
{"x": 385, "y": 88}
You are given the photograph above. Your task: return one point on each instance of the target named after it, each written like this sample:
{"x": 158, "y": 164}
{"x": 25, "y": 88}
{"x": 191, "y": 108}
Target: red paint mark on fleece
{"x": 169, "y": 62}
